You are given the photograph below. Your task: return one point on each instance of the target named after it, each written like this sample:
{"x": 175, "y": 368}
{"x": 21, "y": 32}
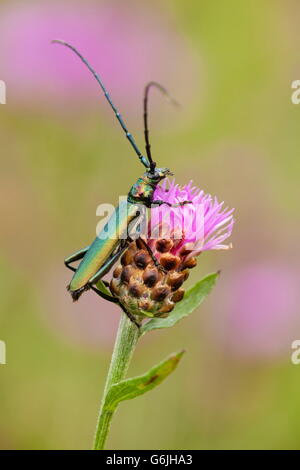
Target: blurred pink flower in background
{"x": 176, "y": 236}
{"x": 123, "y": 47}
{"x": 256, "y": 311}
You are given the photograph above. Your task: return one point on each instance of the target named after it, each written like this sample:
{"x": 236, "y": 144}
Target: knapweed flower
{"x": 150, "y": 285}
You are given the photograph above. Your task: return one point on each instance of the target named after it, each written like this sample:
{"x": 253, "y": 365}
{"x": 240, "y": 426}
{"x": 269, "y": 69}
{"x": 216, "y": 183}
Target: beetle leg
{"x": 75, "y": 257}
{"x": 153, "y": 257}
{"x": 110, "y": 298}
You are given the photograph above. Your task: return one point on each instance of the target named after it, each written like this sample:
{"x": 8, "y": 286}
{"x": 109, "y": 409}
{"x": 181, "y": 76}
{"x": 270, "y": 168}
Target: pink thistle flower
{"x": 199, "y": 226}
{"x": 149, "y": 282}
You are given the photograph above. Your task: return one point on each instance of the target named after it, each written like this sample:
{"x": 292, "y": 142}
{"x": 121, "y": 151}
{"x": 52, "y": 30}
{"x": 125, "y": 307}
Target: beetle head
{"x": 158, "y": 174}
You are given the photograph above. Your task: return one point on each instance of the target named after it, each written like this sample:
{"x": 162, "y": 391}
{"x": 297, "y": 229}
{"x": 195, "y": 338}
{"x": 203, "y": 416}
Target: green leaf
{"x": 131, "y": 388}
{"x": 192, "y": 299}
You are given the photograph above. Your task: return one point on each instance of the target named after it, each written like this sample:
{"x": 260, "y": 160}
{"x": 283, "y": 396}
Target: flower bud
{"x": 141, "y": 286}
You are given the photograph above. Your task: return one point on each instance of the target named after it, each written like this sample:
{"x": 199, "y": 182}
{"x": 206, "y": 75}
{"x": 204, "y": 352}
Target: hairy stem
{"x": 127, "y": 337}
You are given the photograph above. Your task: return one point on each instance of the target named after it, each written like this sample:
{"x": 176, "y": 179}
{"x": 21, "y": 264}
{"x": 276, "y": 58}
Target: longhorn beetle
{"x": 98, "y": 258}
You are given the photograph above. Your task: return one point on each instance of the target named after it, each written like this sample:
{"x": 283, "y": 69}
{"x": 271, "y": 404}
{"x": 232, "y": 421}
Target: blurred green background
{"x": 230, "y": 64}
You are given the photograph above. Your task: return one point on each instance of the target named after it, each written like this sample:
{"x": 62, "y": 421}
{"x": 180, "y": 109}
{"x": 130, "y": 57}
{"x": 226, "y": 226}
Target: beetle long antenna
{"x": 106, "y": 94}
{"x": 146, "y": 129}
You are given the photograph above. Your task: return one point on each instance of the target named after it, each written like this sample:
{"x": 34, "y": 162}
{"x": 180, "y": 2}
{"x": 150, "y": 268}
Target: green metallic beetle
{"x": 98, "y": 258}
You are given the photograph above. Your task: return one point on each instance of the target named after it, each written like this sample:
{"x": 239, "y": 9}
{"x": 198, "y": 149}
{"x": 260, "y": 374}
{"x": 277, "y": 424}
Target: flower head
{"x": 149, "y": 279}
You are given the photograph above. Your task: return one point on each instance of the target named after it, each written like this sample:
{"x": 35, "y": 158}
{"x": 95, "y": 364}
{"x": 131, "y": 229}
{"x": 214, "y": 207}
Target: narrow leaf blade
{"x": 131, "y": 388}
{"x": 192, "y": 299}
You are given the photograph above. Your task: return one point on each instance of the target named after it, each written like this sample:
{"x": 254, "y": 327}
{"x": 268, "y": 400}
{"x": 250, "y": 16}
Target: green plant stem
{"x": 126, "y": 340}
